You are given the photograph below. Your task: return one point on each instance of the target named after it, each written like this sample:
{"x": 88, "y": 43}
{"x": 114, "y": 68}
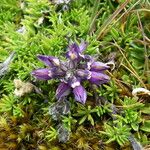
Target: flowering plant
{"x": 72, "y": 72}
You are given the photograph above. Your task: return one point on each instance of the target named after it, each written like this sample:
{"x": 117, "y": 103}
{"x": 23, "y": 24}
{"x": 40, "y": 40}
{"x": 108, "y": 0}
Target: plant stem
{"x": 146, "y": 68}
{"x": 110, "y": 19}
{"x": 131, "y": 69}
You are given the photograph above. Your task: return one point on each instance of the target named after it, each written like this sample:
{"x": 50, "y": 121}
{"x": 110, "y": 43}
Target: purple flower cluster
{"x": 72, "y": 72}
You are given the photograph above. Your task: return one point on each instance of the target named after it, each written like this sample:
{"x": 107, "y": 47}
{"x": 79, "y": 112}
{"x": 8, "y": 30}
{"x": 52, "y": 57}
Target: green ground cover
{"x": 116, "y": 114}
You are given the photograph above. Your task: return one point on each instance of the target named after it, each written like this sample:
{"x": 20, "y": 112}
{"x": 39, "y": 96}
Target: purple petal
{"x": 62, "y": 90}
{"x": 74, "y": 82}
{"x": 98, "y": 78}
{"x": 82, "y": 46}
{"x": 43, "y": 74}
{"x": 80, "y": 94}
{"x": 49, "y": 60}
{"x": 64, "y": 66}
{"x": 89, "y": 60}
{"x": 74, "y": 47}
{"x": 73, "y": 52}
{"x": 45, "y": 59}
{"x": 57, "y": 72}
{"x": 99, "y": 66}
{"x": 83, "y": 74}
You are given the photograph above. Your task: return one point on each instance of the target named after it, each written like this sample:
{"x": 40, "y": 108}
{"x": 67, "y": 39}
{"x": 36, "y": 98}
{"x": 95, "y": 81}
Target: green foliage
{"x": 145, "y": 110}
{"x": 118, "y": 133}
{"x": 112, "y": 91}
{"x": 17, "y": 111}
{"x": 85, "y": 114}
{"x": 69, "y": 122}
{"x": 6, "y": 104}
{"x": 25, "y": 122}
{"x": 146, "y": 126}
{"x": 51, "y": 134}
{"x": 9, "y": 11}
{"x": 131, "y": 114}
{"x": 131, "y": 103}
{"x": 102, "y": 110}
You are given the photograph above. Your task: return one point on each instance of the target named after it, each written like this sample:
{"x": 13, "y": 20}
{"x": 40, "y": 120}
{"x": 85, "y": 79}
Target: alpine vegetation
{"x": 77, "y": 68}
{"x": 61, "y": 1}
{"x": 74, "y": 95}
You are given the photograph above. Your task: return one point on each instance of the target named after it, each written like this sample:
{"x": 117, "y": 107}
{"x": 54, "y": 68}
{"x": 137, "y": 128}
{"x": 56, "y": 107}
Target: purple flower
{"x": 63, "y": 90}
{"x": 43, "y": 74}
{"x": 49, "y": 60}
{"x": 98, "y": 78}
{"x": 73, "y": 72}
{"x": 99, "y": 66}
{"x": 80, "y": 94}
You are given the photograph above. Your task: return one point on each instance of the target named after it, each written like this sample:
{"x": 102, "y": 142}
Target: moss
{"x": 46, "y": 28}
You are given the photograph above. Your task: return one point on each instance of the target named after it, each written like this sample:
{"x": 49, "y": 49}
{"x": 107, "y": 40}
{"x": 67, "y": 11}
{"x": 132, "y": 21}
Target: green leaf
{"x": 146, "y": 126}
{"x": 6, "y": 103}
{"x": 135, "y": 126}
{"x": 91, "y": 119}
{"x": 51, "y": 134}
{"x": 17, "y": 111}
{"x": 110, "y": 140}
{"x": 114, "y": 33}
{"x": 145, "y": 110}
{"x": 82, "y": 119}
